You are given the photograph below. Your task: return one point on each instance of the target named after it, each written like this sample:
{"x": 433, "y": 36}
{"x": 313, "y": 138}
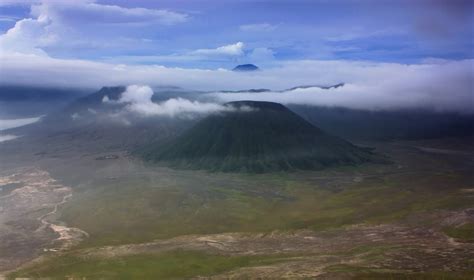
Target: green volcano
{"x": 256, "y": 137}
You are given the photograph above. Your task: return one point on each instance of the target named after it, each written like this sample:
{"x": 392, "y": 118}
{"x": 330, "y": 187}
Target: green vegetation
{"x": 259, "y": 137}
{"x": 440, "y": 275}
{"x": 464, "y": 233}
{"x": 367, "y": 273}
{"x": 144, "y": 209}
{"x": 169, "y": 265}
{"x": 159, "y": 203}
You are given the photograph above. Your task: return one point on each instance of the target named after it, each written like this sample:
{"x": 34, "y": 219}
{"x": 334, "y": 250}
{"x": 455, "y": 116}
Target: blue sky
{"x": 389, "y": 54}
{"x": 221, "y": 34}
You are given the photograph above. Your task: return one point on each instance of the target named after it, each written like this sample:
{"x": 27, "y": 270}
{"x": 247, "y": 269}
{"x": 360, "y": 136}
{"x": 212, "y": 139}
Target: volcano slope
{"x": 256, "y": 137}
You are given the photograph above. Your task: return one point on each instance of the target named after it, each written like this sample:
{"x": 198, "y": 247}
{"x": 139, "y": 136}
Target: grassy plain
{"x": 170, "y": 265}
{"x": 158, "y": 203}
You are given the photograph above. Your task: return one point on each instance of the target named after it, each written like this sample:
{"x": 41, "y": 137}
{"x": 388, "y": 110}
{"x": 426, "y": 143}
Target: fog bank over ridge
{"x": 441, "y": 85}
{"x": 12, "y": 123}
{"x": 138, "y": 100}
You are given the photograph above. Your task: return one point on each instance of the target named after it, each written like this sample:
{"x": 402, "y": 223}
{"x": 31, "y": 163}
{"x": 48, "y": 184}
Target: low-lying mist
{"x": 440, "y": 85}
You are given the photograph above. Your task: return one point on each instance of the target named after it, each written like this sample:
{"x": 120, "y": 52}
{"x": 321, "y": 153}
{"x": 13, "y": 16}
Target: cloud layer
{"x": 7, "y": 137}
{"x": 138, "y": 99}
{"x": 442, "y": 86}
{"x": 12, "y": 123}
{"x": 438, "y": 85}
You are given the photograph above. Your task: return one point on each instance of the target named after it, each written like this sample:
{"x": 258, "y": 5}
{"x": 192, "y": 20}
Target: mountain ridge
{"x": 255, "y": 137}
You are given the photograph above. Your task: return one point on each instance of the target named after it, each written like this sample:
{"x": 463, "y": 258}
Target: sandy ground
{"x": 306, "y": 253}
{"x": 30, "y": 201}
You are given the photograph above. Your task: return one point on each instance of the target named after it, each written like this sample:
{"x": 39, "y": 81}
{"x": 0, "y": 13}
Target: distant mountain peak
{"x": 245, "y": 68}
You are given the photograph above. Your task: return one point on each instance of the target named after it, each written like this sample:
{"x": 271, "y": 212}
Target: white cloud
{"x": 359, "y": 32}
{"x": 4, "y": 18}
{"x": 258, "y": 27}
{"x": 64, "y": 23}
{"x": 236, "y": 49}
{"x": 135, "y": 94}
{"x": 12, "y": 123}
{"x": 439, "y": 85}
{"x": 106, "y": 99}
{"x": 75, "y": 116}
{"x": 89, "y": 12}
{"x": 139, "y": 100}
{"x": 261, "y": 55}
{"x": 57, "y": 25}
{"x": 223, "y": 53}
{"x": 382, "y": 86}
{"x": 7, "y": 137}
{"x": 28, "y": 36}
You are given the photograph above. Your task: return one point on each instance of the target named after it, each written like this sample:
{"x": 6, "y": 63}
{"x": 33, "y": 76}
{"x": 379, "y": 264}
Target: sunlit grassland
{"x": 155, "y": 203}
{"x": 142, "y": 209}
{"x": 169, "y": 265}
{"x": 177, "y": 264}
{"x": 464, "y": 233}
{"x": 362, "y": 273}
